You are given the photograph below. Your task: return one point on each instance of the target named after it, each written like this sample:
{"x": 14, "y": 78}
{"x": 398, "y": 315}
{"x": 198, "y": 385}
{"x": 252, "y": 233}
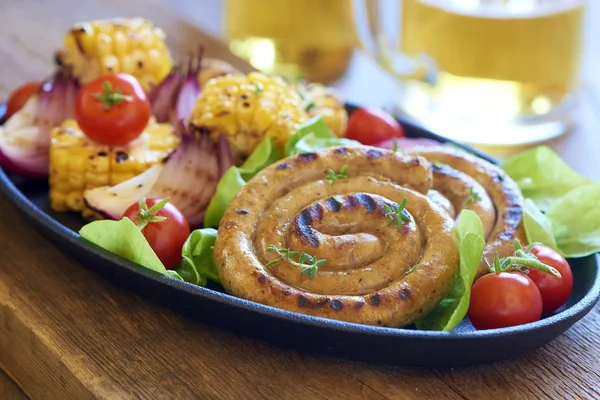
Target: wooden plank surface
{"x": 65, "y": 333}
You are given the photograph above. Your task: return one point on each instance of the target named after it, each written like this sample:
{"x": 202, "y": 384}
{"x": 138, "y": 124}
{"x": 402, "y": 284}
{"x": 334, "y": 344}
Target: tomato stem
{"x": 111, "y": 97}
{"x": 522, "y": 260}
{"x": 147, "y": 216}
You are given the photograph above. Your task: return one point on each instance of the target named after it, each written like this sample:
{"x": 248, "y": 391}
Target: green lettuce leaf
{"x": 575, "y": 220}
{"x": 313, "y": 135}
{"x": 537, "y": 226}
{"x": 452, "y": 309}
{"x": 126, "y": 240}
{"x": 198, "y": 264}
{"x": 235, "y": 177}
{"x": 542, "y": 175}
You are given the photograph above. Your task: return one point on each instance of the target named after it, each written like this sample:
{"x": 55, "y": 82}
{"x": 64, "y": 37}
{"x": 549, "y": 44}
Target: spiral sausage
{"x": 499, "y": 203}
{"x": 374, "y": 273}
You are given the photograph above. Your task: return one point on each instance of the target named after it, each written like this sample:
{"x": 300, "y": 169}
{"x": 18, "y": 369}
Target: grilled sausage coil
{"x": 498, "y": 201}
{"x": 375, "y": 273}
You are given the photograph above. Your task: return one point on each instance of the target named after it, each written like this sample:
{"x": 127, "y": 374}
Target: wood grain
{"x": 9, "y": 390}
{"x": 65, "y": 333}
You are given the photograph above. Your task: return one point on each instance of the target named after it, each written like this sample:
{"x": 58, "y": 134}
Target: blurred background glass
{"x": 486, "y": 72}
{"x": 309, "y": 38}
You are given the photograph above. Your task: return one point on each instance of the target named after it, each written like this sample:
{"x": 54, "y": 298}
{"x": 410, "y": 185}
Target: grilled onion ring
{"x": 502, "y": 218}
{"x": 374, "y": 274}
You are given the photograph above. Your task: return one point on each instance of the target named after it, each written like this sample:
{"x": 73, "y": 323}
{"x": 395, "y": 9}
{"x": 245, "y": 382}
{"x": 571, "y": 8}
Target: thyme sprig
{"x": 309, "y": 265}
{"x": 473, "y": 196}
{"x": 332, "y": 176}
{"x": 397, "y": 213}
{"x": 522, "y": 261}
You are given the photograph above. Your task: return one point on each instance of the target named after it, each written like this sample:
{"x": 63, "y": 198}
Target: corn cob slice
{"x": 130, "y": 45}
{"x": 247, "y": 109}
{"x": 77, "y": 163}
{"x": 326, "y": 102}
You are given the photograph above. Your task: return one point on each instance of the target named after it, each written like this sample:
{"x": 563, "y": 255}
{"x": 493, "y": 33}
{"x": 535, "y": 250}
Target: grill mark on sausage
{"x": 283, "y": 166}
{"x": 405, "y": 293}
{"x": 333, "y": 204}
{"x": 306, "y": 303}
{"x": 307, "y": 157}
{"x": 358, "y": 305}
{"x": 302, "y": 224}
{"x": 372, "y": 153}
{"x": 341, "y": 150}
{"x": 241, "y": 212}
{"x": 262, "y": 279}
{"x": 337, "y": 305}
{"x": 352, "y": 201}
{"x": 376, "y": 299}
{"x": 367, "y": 202}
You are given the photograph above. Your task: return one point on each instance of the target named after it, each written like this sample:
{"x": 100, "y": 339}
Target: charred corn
{"x": 326, "y": 102}
{"x": 212, "y": 68}
{"x": 130, "y": 45}
{"x": 248, "y": 108}
{"x": 77, "y": 163}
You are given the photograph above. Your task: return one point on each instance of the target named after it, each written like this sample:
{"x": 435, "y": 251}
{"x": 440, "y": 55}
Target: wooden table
{"x": 66, "y": 333}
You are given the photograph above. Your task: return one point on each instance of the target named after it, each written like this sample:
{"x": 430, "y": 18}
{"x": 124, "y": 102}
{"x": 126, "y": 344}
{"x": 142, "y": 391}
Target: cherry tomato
{"x": 112, "y": 109}
{"x": 166, "y": 237}
{"x": 19, "y": 97}
{"x": 372, "y": 125}
{"x": 555, "y": 291}
{"x": 504, "y": 299}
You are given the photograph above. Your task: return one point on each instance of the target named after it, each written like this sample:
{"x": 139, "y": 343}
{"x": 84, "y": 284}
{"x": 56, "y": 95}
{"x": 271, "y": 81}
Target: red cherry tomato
{"x": 372, "y": 125}
{"x": 555, "y": 291}
{"x": 167, "y": 237}
{"x": 19, "y": 97}
{"x": 504, "y": 299}
{"x": 112, "y": 109}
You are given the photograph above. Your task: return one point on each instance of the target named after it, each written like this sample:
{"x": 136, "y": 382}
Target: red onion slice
{"x": 189, "y": 176}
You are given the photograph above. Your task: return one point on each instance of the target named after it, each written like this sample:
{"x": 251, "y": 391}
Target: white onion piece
{"x": 25, "y": 137}
{"x": 189, "y": 177}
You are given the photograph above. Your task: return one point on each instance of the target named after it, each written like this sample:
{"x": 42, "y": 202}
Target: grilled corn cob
{"x": 324, "y": 101}
{"x": 212, "y": 68}
{"x": 130, "y": 45}
{"x": 248, "y": 108}
{"x": 77, "y": 163}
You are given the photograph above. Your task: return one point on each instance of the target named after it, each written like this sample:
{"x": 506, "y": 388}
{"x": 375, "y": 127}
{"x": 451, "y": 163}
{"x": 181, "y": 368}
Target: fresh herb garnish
{"x": 412, "y": 267}
{"x": 397, "y": 213}
{"x": 111, "y": 97}
{"x": 437, "y": 165}
{"x": 332, "y": 176}
{"x": 308, "y": 264}
{"x": 395, "y": 146}
{"x": 473, "y": 196}
{"x": 310, "y": 106}
{"x": 258, "y": 90}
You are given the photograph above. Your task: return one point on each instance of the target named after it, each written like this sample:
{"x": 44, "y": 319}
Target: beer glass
{"x": 485, "y": 72}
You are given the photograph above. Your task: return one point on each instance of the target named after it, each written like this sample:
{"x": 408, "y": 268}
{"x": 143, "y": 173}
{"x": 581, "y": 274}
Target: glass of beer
{"x": 484, "y": 72}
{"x": 312, "y": 39}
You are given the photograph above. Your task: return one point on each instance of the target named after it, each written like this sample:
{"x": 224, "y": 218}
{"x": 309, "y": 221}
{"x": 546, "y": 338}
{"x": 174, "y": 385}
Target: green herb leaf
{"x": 235, "y": 177}
{"x": 126, "y": 240}
{"x": 543, "y": 176}
{"x": 332, "y": 177}
{"x": 313, "y": 135}
{"x": 309, "y": 265}
{"x": 473, "y": 197}
{"x": 397, "y": 213}
{"x": 575, "y": 220}
{"x": 452, "y": 309}
{"x": 198, "y": 264}
{"x": 537, "y": 226}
